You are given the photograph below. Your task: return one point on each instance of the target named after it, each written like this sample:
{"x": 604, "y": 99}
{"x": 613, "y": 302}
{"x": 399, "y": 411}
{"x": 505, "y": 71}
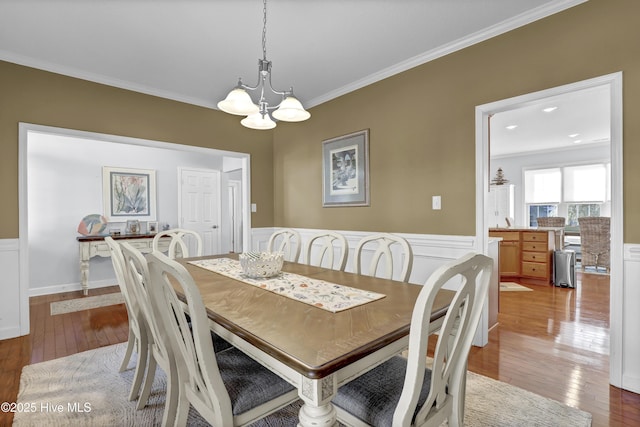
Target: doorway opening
{"x": 80, "y": 156}
{"x": 613, "y": 83}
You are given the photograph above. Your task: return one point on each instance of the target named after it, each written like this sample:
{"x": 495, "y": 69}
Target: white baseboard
{"x": 69, "y": 287}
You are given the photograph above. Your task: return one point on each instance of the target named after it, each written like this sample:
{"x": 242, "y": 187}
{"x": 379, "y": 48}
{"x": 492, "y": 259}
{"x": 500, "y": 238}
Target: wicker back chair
{"x": 554, "y": 221}
{"x": 595, "y": 240}
{"x": 551, "y": 221}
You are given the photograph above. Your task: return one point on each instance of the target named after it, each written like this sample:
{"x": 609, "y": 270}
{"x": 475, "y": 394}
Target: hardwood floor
{"x": 555, "y": 342}
{"x": 552, "y": 341}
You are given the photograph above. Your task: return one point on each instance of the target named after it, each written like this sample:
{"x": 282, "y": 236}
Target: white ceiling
{"x": 578, "y": 119}
{"x": 195, "y": 50}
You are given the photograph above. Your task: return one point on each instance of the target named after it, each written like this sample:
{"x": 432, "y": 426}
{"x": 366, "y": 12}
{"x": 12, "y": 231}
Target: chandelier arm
{"x": 283, "y": 93}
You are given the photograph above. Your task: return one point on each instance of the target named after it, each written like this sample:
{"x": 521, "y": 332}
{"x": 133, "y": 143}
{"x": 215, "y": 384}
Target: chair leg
{"x": 148, "y": 382}
{"x": 127, "y": 355}
{"x": 177, "y": 405}
{"x": 458, "y": 388}
{"x": 143, "y": 350}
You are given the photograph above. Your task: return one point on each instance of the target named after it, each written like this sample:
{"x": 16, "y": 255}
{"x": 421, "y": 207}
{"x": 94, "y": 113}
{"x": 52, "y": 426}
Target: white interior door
{"x": 200, "y": 206}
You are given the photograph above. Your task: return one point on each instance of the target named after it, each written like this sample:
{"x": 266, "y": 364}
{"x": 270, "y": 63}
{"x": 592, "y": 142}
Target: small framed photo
{"x": 345, "y": 170}
{"x": 152, "y": 227}
{"x": 133, "y": 226}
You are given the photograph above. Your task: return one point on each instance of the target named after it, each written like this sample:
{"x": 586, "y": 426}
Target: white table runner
{"x": 318, "y": 293}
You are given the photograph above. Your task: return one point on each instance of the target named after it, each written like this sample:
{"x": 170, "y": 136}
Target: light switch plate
{"x": 436, "y": 203}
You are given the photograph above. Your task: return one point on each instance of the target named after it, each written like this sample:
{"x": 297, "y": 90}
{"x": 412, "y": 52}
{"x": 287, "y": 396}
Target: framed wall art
{"x": 129, "y": 194}
{"x": 345, "y": 170}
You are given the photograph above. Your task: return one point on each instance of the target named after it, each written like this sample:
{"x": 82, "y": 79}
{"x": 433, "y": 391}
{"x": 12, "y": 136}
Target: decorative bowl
{"x": 259, "y": 265}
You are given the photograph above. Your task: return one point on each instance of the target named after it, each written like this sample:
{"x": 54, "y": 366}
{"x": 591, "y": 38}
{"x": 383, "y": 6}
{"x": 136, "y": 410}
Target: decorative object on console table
{"x": 345, "y": 170}
{"x": 152, "y": 227}
{"x": 129, "y": 193}
{"x": 133, "y": 226}
{"x": 92, "y": 225}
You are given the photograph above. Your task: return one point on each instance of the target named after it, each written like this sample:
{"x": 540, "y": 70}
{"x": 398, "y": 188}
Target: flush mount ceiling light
{"x": 239, "y": 102}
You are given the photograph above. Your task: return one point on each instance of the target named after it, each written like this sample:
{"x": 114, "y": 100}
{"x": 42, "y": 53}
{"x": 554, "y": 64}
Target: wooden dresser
{"x": 526, "y": 254}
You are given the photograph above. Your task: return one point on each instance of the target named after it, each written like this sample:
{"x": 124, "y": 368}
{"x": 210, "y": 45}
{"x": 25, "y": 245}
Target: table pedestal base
{"x": 317, "y": 416}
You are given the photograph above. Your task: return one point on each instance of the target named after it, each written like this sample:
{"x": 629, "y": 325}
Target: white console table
{"x": 93, "y": 246}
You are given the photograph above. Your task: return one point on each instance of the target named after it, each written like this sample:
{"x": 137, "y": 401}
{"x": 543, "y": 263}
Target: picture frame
{"x": 128, "y": 194}
{"x": 345, "y": 170}
{"x": 132, "y": 227}
{"x": 152, "y": 227}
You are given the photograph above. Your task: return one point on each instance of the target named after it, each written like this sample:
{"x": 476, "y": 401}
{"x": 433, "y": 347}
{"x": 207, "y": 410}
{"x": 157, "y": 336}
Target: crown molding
{"x": 462, "y": 43}
{"x": 28, "y": 61}
{"x": 495, "y": 30}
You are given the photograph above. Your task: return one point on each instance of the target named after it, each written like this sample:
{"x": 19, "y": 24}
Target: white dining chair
{"x": 160, "y": 353}
{"x": 138, "y": 339}
{"x": 184, "y": 243}
{"x": 383, "y": 245}
{"x": 403, "y": 391}
{"x": 288, "y": 242}
{"x": 227, "y": 388}
{"x": 329, "y": 246}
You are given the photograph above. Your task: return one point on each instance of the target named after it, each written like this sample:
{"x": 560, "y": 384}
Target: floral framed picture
{"x": 345, "y": 170}
{"x": 129, "y": 194}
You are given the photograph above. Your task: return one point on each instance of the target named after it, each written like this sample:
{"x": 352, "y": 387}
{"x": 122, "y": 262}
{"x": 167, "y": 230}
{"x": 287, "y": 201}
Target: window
{"x": 541, "y": 211}
{"x": 579, "y": 210}
{"x": 571, "y": 191}
{"x": 585, "y": 183}
{"x": 543, "y": 185}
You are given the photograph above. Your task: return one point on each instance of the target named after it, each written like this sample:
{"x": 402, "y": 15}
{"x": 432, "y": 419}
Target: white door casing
{"x": 235, "y": 216}
{"x": 199, "y": 207}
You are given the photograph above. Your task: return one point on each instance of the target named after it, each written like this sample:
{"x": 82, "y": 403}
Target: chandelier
{"x": 239, "y": 102}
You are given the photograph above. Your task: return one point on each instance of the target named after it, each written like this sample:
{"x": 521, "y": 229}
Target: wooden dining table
{"x": 313, "y": 349}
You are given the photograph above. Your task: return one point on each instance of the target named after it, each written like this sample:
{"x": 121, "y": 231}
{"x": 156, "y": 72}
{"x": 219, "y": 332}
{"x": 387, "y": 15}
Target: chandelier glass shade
{"x": 259, "y": 116}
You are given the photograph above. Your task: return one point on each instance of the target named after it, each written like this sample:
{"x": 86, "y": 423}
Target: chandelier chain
{"x": 264, "y": 30}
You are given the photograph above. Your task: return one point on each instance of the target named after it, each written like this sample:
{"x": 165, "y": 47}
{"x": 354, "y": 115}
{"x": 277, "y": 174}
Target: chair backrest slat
{"x": 331, "y": 246}
{"x": 286, "y": 241}
{"x": 384, "y": 252}
{"x": 181, "y": 242}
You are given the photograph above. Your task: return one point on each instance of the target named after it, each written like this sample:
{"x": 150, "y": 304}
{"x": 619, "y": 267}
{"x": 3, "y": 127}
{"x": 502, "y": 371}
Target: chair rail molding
{"x": 11, "y": 319}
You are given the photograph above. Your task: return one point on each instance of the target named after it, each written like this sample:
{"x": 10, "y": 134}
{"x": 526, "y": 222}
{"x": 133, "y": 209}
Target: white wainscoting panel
{"x": 631, "y": 319}
{"x": 10, "y": 304}
{"x": 429, "y": 251}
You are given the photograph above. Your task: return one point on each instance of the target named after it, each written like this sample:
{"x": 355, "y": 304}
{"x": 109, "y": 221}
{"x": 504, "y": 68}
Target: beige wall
{"x": 33, "y": 96}
{"x": 422, "y": 123}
